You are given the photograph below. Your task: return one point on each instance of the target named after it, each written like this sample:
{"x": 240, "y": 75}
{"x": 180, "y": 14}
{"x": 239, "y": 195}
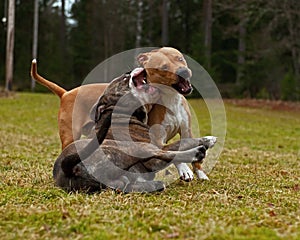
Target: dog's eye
{"x": 180, "y": 59}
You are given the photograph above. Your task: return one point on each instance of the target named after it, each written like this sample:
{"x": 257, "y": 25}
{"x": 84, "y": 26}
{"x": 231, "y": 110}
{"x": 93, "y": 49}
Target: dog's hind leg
{"x": 77, "y": 178}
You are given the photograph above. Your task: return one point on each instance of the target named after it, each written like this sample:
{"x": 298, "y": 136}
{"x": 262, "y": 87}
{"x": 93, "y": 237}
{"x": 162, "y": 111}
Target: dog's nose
{"x": 183, "y": 72}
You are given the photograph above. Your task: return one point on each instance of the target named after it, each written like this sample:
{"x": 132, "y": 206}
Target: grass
{"x": 253, "y": 193}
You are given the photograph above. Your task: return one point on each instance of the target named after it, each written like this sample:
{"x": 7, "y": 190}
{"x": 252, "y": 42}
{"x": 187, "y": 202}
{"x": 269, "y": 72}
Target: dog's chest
{"x": 175, "y": 117}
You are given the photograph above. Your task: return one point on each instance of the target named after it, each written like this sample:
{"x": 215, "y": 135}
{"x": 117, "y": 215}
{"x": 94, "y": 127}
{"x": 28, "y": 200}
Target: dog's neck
{"x": 124, "y": 122}
{"x": 125, "y": 128}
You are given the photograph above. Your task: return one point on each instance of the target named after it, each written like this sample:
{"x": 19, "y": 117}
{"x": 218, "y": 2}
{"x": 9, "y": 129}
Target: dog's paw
{"x": 208, "y": 141}
{"x": 184, "y": 172}
{"x": 201, "y": 175}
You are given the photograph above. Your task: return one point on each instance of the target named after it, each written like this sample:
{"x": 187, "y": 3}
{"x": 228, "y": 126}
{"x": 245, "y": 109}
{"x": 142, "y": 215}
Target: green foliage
{"x": 290, "y": 89}
{"x": 253, "y": 192}
{"x": 23, "y": 40}
{"x": 96, "y": 30}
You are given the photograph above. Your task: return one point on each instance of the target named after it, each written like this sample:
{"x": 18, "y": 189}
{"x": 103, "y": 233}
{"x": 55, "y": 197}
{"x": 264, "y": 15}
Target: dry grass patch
{"x": 253, "y": 193}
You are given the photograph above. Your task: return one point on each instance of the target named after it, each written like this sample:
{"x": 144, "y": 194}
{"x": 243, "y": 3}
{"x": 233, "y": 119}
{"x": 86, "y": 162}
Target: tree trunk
{"x": 139, "y": 24}
{"x": 165, "y": 23}
{"x": 10, "y": 45}
{"x": 63, "y": 31}
{"x": 294, "y": 34}
{"x": 241, "y": 50}
{"x": 207, "y": 16}
{"x": 35, "y": 36}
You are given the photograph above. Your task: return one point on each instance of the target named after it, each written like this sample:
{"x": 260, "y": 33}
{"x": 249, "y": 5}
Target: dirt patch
{"x": 6, "y": 94}
{"x": 268, "y": 104}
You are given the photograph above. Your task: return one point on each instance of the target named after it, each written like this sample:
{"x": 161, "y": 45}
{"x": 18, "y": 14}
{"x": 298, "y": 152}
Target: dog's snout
{"x": 183, "y": 72}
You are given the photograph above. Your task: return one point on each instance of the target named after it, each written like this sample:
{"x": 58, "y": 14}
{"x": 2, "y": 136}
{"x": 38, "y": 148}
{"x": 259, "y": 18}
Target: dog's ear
{"x": 95, "y": 113}
{"x": 142, "y": 59}
{"x": 98, "y": 111}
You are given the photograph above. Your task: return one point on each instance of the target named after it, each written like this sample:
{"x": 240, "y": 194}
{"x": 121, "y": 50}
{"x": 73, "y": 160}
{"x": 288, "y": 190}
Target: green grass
{"x": 253, "y": 193}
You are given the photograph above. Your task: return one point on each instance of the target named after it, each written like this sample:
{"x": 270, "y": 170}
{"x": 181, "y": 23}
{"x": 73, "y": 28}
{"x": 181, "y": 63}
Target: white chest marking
{"x": 176, "y": 118}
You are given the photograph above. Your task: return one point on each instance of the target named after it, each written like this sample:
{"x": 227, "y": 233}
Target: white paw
{"x": 201, "y": 175}
{"x": 184, "y": 172}
{"x": 209, "y": 141}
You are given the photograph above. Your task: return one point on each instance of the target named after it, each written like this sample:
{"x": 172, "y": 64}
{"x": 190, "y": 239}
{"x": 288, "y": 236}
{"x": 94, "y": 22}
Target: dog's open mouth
{"x": 139, "y": 79}
{"x": 183, "y": 86}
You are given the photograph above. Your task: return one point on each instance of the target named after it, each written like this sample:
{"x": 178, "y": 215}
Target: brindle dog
{"x": 129, "y": 162}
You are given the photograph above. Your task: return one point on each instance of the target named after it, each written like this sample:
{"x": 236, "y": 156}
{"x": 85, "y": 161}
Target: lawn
{"x": 253, "y": 192}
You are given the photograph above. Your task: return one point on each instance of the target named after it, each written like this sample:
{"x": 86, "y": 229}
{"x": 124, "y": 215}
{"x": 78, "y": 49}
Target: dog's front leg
{"x": 188, "y": 143}
{"x": 197, "y": 167}
{"x": 183, "y": 169}
{"x": 184, "y": 172}
{"x": 159, "y": 137}
{"x": 162, "y": 159}
{"x": 183, "y": 151}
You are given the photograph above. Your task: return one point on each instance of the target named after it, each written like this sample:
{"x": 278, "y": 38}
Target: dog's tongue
{"x": 137, "y": 71}
{"x": 183, "y": 86}
{"x": 139, "y": 77}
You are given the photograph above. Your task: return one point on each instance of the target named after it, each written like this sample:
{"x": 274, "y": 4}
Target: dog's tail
{"x": 59, "y": 91}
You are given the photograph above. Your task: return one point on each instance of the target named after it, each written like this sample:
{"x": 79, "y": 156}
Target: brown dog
{"x": 165, "y": 66}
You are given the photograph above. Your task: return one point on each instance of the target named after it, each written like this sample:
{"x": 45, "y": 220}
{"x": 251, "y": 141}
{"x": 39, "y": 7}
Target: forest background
{"x": 251, "y": 48}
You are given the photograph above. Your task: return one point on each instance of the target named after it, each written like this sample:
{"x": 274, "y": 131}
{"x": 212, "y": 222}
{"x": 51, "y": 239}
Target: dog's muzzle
{"x": 183, "y": 84}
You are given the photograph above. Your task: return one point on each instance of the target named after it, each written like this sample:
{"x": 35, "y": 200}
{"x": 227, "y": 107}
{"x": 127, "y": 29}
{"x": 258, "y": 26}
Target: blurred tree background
{"x": 251, "y": 48}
